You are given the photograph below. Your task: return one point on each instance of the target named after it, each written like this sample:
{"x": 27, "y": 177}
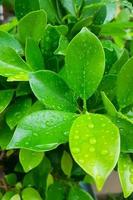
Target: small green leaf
{"x": 5, "y": 98}
{"x": 84, "y": 63}
{"x": 8, "y": 195}
{"x": 7, "y": 40}
{"x": 17, "y": 111}
{"x": 95, "y": 145}
{"x": 25, "y": 6}
{"x": 30, "y": 159}
{"x": 111, "y": 110}
{"x": 11, "y": 179}
{"x": 42, "y": 130}
{"x": 27, "y": 193}
{"x": 66, "y": 163}
{"x": 33, "y": 55}
{"x": 16, "y": 197}
{"x": 69, "y": 5}
{"x": 26, "y": 28}
{"x": 12, "y": 65}
{"x": 52, "y": 91}
{"x": 5, "y": 135}
{"x": 77, "y": 193}
{"x": 125, "y": 169}
{"x": 50, "y": 180}
{"x": 56, "y": 191}
{"x": 124, "y": 84}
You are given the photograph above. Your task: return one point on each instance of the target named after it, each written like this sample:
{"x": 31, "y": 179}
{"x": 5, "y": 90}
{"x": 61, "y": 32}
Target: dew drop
{"x": 76, "y": 137}
{"x": 90, "y": 125}
{"x": 104, "y": 152}
{"x": 76, "y": 150}
{"x": 81, "y": 161}
{"x": 91, "y": 149}
{"x": 92, "y": 141}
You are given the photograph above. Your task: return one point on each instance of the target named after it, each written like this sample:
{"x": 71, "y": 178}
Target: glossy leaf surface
{"x": 124, "y": 84}
{"x": 52, "y": 91}
{"x": 42, "y": 130}
{"x": 125, "y": 169}
{"x": 77, "y": 193}
{"x": 26, "y": 28}
{"x": 27, "y": 193}
{"x": 88, "y": 135}
{"x": 84, "y": 63}
{"x": 30, "y": 159}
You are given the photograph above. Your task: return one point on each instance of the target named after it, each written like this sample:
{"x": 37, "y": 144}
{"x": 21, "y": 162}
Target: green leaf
{"x": 30, "y": 159}
{"x": 126, "y": 129}
{"x": 111, "y": 110}
{"x": 17, "y": 111}
{"x": 5, "y": 99}
{"x": 7, "y": 40}
{"x": 8, "y": 195}
{"x": 11, "y": 179}
{"x": 12, "y": 65}
{"x": 84, "y": 63}
{"x": 16, "y": 197}
{"x": 56, "y": 191}
{"x": 95, "y": 145}
{"x": 66, "y": 163}
{"x": 63, "y": 44}
{"x": 25, "y": 6}
{"x": 26, "y": 28}
{"x": 33, "y": 55}
{"x": 52, "y": 91}
{"x": 124, "y": 85}
{"x": 77, "y": 193}
{"x": 49, "y": 8}
{"x": 125, "y": 169}
{"x": 27, "y": 193}
{"x": 5, "y": 135}
{"x": 42, "y": 130}
{"x": 69, "y": 5}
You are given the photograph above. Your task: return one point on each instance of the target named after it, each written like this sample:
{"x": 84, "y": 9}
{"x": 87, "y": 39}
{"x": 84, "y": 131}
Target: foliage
{"x": 66, "y": 77}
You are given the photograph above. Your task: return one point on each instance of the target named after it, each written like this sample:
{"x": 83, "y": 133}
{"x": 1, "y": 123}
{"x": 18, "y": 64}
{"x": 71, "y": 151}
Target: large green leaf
{"x": 7, "y": 40}
{"x": 12, "y": 65}
{"x": 124, "y": 84}
{"x": 33, "y": 55}
{"x": 95, "y": 145}
{"x": 17, "y": 111}
{"x": 25, "y": 6}
{"x": 29, "y": 192}
{"x": 77, "y": 193}
{"x": 30, "y": 159}
{"x": 51, "y": 90}
{"x": 5, "y": 98}
{"x": 84, "y": 63}
{"x": 42, "y": 130}
{"x": 26, "y": 28}
{"x": 125, "y": 169}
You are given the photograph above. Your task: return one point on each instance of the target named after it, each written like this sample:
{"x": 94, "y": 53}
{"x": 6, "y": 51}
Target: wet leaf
{"x": 17, "y": 111}
{"x": 42, "y": 130}
{"x": 66, "y": 163}
{"x": 26, "y": 28}
{"x": 5, "y": 98}
{"x": 30, "y": 159}
{"x": 124, "y": 84}
{"x": 52, "y": 91}
{"x": 95, "y": 145}
{"x": 125, "y": 169}
{"x": 84, "y": 63}
{"x": 12, "y": 65}
{"x": 33, "y": 55}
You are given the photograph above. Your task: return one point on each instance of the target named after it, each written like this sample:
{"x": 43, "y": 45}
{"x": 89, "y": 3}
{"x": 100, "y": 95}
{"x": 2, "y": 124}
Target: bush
{"x": 66, "y": 77}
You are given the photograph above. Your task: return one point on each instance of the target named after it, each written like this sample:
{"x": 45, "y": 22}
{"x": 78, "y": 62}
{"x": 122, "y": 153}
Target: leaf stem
{"x": 84, "y": 106}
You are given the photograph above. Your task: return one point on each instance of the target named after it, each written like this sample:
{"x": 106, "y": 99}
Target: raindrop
{"x": 91, "y": 149}
{"x": 81, "y": 161}
{"x": 104, "y": 152}
{"x": 92, "y": 141}
{"x": 76, "y": 150}
{"x": 90, "y": 125}
{"x": 76, "y": 137}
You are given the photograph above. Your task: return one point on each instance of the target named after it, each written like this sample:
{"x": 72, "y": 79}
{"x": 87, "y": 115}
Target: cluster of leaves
{"x": 66, "y": 76}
